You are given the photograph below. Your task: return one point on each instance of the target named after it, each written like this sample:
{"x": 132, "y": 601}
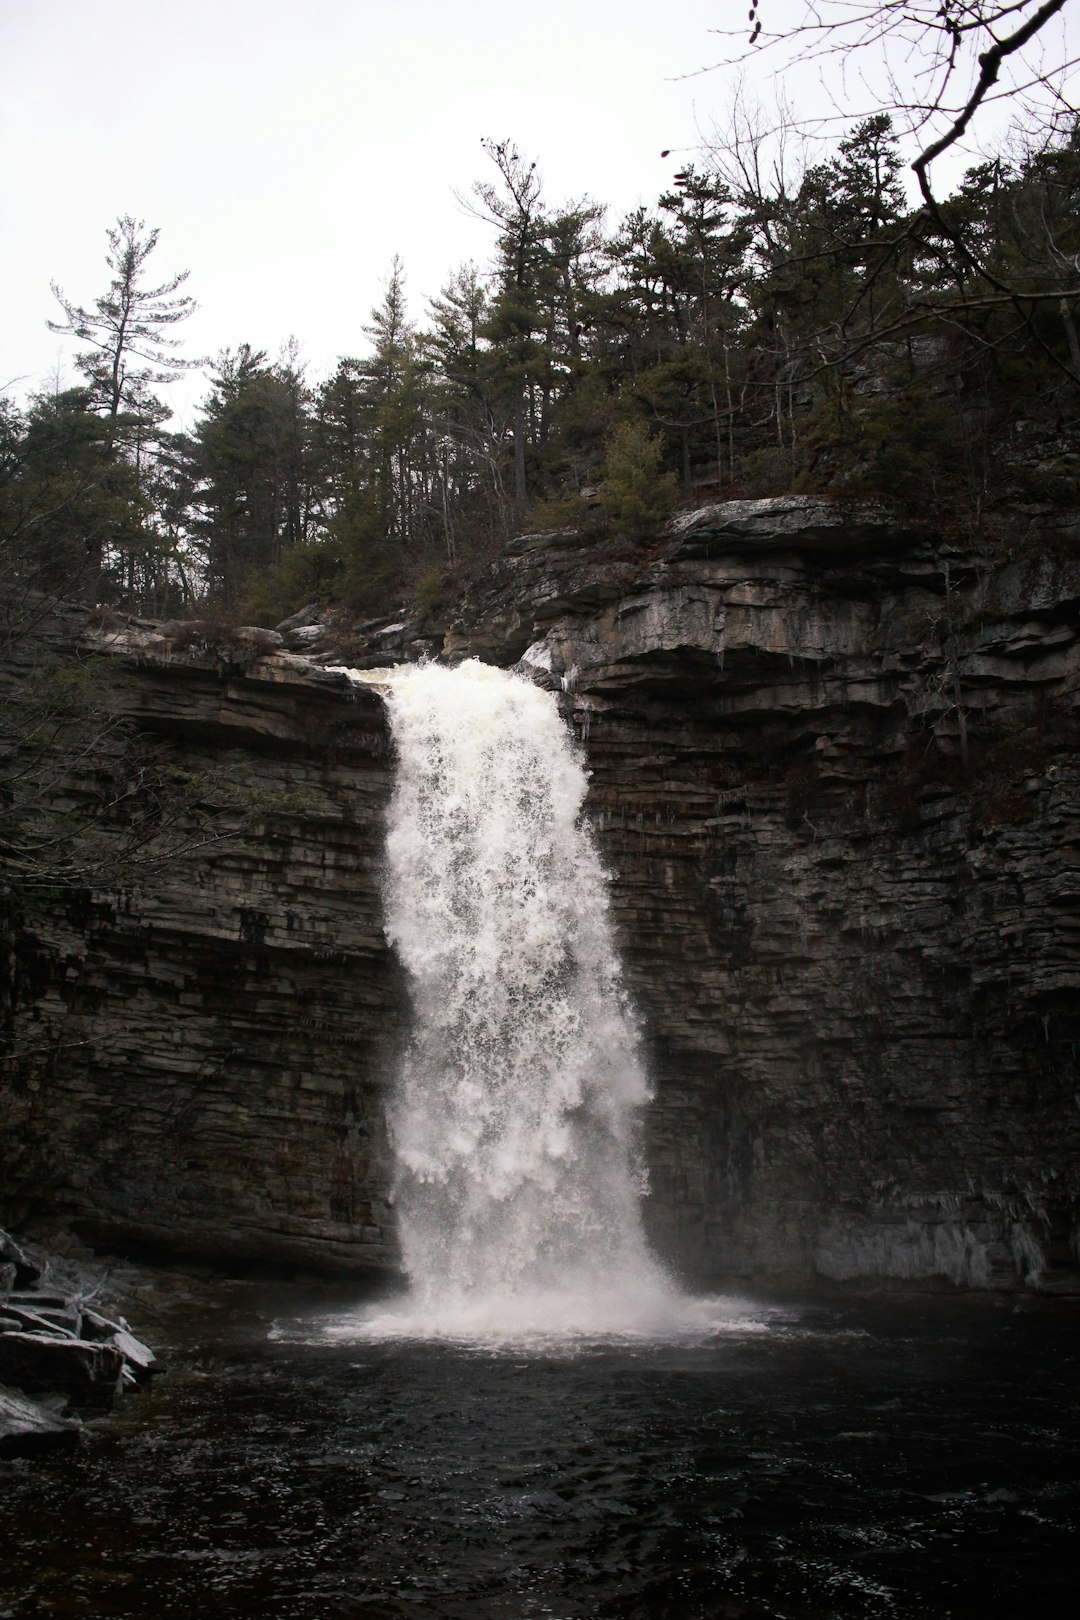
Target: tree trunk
{"x": 520, "y": 492}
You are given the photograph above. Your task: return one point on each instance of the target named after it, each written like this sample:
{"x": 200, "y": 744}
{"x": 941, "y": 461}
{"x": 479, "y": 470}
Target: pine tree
{"x": 130, "y": 352}
{"x": 130, "y": 349}
{"x": 254, "y": 462}
{"x": 515, "y": 209}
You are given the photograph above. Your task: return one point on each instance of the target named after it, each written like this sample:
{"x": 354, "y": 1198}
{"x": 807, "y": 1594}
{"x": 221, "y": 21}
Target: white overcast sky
{"x": 287, "y": 149}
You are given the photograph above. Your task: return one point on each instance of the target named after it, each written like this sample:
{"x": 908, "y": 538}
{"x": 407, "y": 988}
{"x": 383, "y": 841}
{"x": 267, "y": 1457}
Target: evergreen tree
{"x": 67, "y": 501}
{"x": 707, "y": 250}
{"x": 127, "y": 329}
{"x": 515, "y": 208}
{"x": 130, "y": 351}
{"x": 472, "y": 422}
{"x": 395, "y": 377}
{"x": 254, "y": 498}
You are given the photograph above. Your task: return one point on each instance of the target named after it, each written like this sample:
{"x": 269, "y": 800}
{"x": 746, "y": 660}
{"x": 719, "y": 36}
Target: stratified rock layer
{"x": 835, "y": 781}
{"x": 200, "y": 1055}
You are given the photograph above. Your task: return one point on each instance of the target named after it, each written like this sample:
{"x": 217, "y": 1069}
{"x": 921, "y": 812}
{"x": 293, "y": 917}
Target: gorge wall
{"x": 198, "y": 1055}
{"x": 835, "y": 781}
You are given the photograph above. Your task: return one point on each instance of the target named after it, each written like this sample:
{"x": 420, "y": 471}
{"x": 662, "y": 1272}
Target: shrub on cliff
{"x": 635, "y": 493}
{"x": 901, "y": 443}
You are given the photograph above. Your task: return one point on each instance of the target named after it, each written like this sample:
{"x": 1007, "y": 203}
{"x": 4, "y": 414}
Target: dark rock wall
{"x": 200, "y": 1057}
{"x": 836, "y": 783}
{"x": 835, "y": 780}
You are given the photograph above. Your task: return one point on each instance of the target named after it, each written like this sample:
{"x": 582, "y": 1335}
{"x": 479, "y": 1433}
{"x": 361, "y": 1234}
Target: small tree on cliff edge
{"x": 635, "y": 494}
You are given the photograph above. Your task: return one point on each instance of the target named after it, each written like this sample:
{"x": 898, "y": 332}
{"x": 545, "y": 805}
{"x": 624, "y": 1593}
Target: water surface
{"x": 891, "y": 1457}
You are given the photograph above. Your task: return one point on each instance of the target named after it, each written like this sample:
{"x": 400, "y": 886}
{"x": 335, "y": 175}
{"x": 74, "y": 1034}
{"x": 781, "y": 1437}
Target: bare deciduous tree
{"x": 932, "y": 63}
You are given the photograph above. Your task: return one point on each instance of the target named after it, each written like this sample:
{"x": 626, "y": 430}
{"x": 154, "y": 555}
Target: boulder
{"x": 65, "y": 1324}
{"x": 41, "y": 1363}
{"x": 139, "y": 1359}
{"x": 12, "y": 1254}
{"x": 301, "y": 620}
{"x": 27, "y": 1428}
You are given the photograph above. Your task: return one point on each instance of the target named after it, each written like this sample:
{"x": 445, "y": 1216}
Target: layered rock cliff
{"x": 198, "y": 1055}
{"x": 835, "y": 781}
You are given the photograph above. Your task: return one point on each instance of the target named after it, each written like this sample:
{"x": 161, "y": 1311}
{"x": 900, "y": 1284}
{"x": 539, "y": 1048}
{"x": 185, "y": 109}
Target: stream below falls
{"x": 863, "y": 1456}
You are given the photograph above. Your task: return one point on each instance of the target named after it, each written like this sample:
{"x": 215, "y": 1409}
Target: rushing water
{"x": 515, "y": 1122}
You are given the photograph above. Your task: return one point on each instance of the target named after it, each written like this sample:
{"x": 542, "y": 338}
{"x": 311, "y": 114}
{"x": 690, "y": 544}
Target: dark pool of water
{"x": 892, "y": 1457}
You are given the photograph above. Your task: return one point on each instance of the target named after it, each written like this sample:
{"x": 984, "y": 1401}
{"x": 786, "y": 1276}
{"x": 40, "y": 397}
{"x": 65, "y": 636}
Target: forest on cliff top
{"x": 772, "y": 325}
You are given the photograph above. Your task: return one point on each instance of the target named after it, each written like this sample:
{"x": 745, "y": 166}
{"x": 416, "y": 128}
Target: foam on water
{"x": 516, "y": 1117}
{"x": 559, "y": 1321}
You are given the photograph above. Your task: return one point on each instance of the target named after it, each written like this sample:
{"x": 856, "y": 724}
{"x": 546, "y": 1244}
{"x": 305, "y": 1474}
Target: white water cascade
{"x": 515, "y": 1119}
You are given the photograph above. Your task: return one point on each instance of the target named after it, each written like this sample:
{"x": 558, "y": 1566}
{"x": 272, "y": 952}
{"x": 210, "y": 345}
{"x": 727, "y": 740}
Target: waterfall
{"x": 515, "y": 1120}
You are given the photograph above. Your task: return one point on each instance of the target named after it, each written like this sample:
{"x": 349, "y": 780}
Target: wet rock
{"x": 97, "y": 1327}
{"x": 26, "y": 1271}
{"x": 27, "y": 1428}
{"x": 40, "y": 1363}
{"x": 65, "y": 1323}
{"x": 59, "y": 1351}
{"x": 249, "y": 989}
{"x": 835, "y": 778}
{"x": 139, "y": 1359}
{"x": 45, "y": 1299}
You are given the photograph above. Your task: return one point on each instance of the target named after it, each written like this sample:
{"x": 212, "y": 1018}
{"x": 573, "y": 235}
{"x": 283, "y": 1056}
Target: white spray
{"x": 515, "y": 1120}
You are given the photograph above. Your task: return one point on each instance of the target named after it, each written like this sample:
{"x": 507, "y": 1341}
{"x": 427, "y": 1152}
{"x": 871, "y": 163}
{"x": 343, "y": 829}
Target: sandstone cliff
{"x": 835, "y": 780}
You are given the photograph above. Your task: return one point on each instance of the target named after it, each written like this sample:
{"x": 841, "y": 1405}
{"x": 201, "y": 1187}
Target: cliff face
{"x": 835, "y": 781}
{"x": 199, "y": 1056}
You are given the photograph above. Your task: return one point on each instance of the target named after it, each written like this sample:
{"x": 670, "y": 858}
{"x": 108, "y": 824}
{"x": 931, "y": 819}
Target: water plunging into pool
{"x": 515, "y": 1122}
{"x": 554, "y": 1453}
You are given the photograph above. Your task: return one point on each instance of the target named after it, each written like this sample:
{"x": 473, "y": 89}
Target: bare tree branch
{"x": 920, "y": 48}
